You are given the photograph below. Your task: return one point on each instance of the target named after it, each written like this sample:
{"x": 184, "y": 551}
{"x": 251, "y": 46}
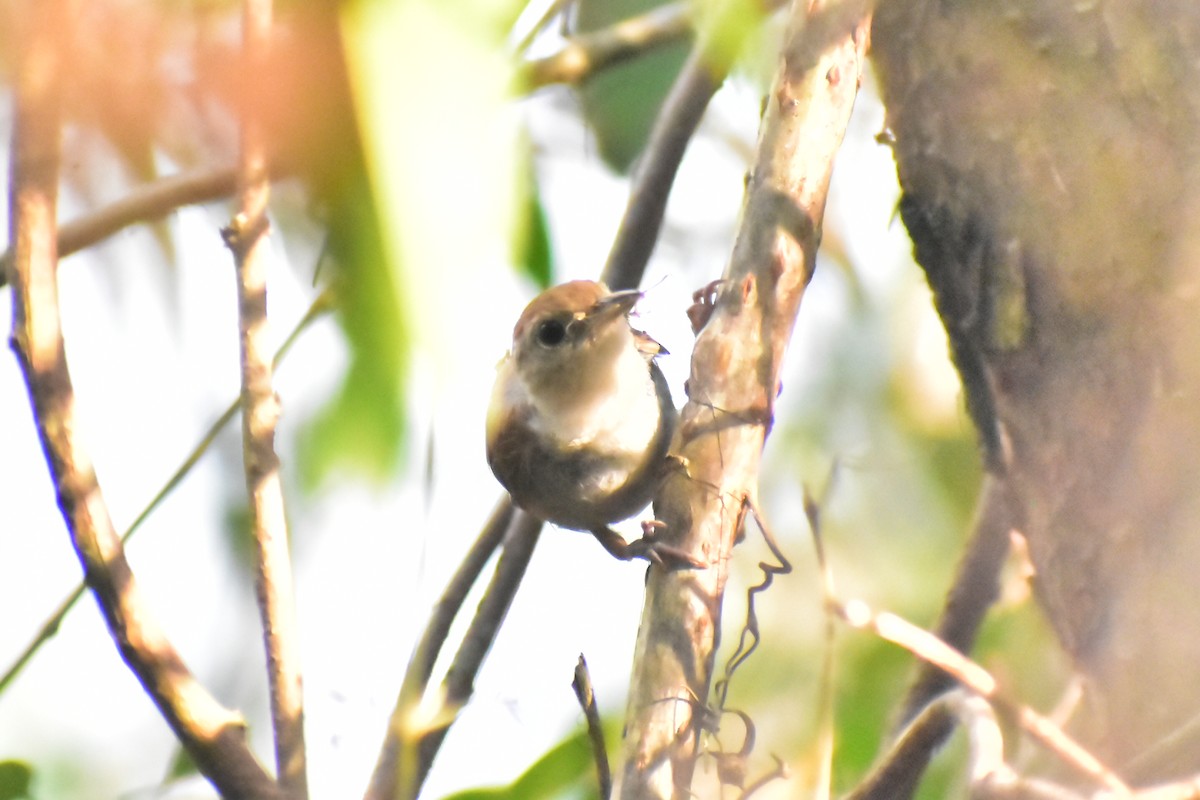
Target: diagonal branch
{"x": 52, "y": 623}
{"x": 936, "y": 652}
{"x": 587, "y": 53}
{"x": 212, "y": 735}
{"x": 247, "y": 239}
{"x": 144, "y": 203}
{"x": 415, "y": 732}
{"x": 582, "y": 684}
{"x": 702, "y": 74}
{"x": 733, "y": 385}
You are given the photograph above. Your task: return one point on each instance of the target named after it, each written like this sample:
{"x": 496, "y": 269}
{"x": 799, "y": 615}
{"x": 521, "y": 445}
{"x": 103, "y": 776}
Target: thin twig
{"x": 582, "y": 684}
{"x": 823, "y": 780}
{"x": 990, "y": 776}
{"x": 905, "y": 759}
{"x": 976, "y": 587}
{"x": 145, "y": 203}
{"x": 400, "y": 738}
{"x": 51, "y": 625}
{"x": 212, "y": 735}
{"x": 673, "y": 129}
{"x": 928, "y": 647}
{"x": 413, "y": 735}
{"x": 702, "y": 74}
{"x": 420, "y": 666}
{"x": 247, "y": 239}
{"x": 586, "y": 54}
{"x": 459, "y": 682}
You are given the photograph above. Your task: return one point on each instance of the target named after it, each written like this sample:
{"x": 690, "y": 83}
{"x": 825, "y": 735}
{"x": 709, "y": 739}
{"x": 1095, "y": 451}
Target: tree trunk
{"x": 1048, "y": 157}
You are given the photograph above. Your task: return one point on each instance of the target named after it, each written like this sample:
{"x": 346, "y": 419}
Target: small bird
{"x": 581, "y": 418}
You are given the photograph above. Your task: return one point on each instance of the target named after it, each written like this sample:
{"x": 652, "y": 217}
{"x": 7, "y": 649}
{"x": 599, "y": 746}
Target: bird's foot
{"x": 649, "y": 547}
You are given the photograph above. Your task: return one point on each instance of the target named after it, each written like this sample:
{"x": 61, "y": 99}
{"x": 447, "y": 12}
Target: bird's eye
{"x": 551, "y": 333}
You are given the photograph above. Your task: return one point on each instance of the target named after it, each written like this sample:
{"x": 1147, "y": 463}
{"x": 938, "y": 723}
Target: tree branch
{"x": 586, "y": 695}
{"x": 144, "y": 203}
{"x": 247, "y": 239}
{"x": 51, "y": 625}
{"x": 733, "y": 385}
{"x": 694, "y": 87}
{"x": 459, "y": 683}
{"x": 933, "y": 650}
{"x": 976, "y": 587}
{"x": 414, "y": 736}
{"x": 212, "y": 735}
{"x": 587, "y": 53}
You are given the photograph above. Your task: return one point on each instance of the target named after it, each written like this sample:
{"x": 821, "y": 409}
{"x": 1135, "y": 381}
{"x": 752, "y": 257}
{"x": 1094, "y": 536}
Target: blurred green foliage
{"x": 532, "y": 253}
{"x": 16, "y": 777}
{"x": 565, "y": 772}
{"x": 620, "y": 103}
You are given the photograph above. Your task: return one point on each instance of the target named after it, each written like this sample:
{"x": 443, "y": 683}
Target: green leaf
{"x": 532, "y": 252}
{"x": 621, "y": 102}
{"x": 430, "y": 82}
{"x": 363, "y": 428}
{"x": 181, "y": 766}
{"x": 566, "y": 770}
{"x": 15, "y": 780}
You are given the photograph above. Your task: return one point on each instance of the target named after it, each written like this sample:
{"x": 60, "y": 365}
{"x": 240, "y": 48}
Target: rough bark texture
{"x": 1048, "y": 156}
{"x": 732, "y": 390}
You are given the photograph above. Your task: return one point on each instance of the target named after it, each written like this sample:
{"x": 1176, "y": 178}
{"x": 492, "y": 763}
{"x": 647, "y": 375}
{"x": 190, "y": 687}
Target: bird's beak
{"x": 614, "y": 305}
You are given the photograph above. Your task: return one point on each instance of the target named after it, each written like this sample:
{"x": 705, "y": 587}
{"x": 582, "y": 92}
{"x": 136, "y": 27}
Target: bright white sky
{"x": 151, "y": 374}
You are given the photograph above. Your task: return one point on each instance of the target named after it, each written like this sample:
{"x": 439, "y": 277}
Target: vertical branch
{"x": 213, "y": 736}
{"x": 247, "y": 239}
{"x": 732, "y": 389}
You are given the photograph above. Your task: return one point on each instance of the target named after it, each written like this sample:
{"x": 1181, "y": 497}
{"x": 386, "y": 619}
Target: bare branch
{"x": 733, "y": 385}
{"x": 50, "y": 626}
{"x": 989, "y": 775}
{"x": 144, "y": 203}
{"x": 582, "y": 684}
{"x": 247, "y": 239}
{"x": 907, "y": 756}
{"x": 389, "y": 773}
{"x": 933, "y": 650}
{"x": 588, "y": 53}
{"x": 212, "y": 735}
{"x": 414, "y": 736}
{"x": 976, "y": 587}
{"x": 459, "y": 682}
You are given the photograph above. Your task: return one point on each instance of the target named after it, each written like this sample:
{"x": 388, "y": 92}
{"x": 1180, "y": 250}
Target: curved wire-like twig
{"x": 213, "y": 736}
{"x": 750, "y": 636}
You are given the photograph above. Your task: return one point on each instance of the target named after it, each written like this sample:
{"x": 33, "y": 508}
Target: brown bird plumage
{"x": 581, "y": 417}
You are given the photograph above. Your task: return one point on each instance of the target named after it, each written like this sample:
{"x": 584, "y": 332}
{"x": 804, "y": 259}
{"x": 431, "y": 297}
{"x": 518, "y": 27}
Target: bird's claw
{"x": 664, "y": 555}
{"x": 647, "y": 547}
